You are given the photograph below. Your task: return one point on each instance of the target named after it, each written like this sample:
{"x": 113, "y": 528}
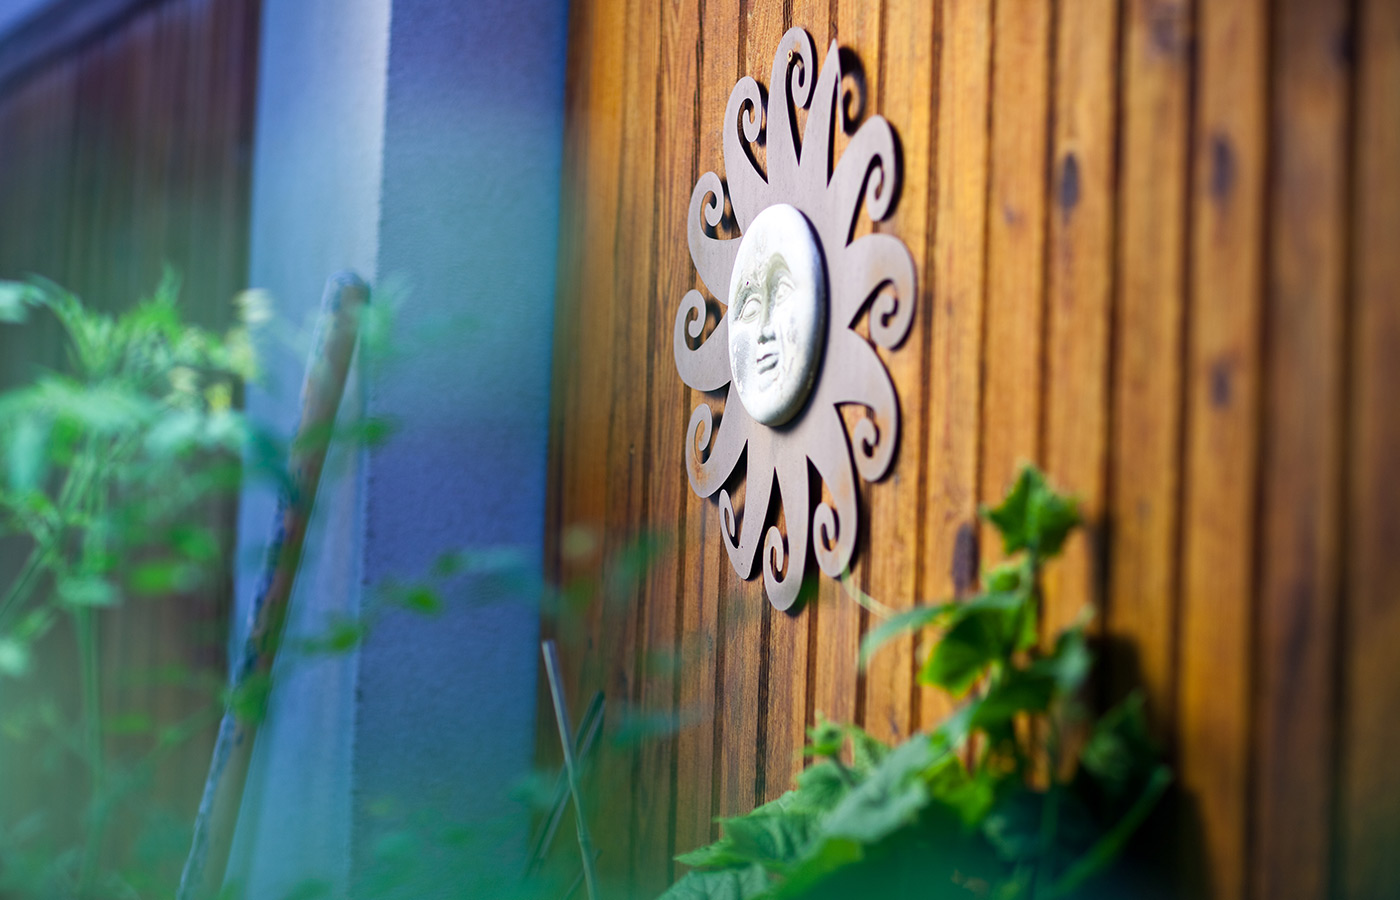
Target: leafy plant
{"x": 1016, "y": 795}
{"x": 109, "y": 467}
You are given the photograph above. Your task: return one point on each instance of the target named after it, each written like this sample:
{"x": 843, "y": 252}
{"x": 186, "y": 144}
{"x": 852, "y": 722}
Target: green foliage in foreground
{"x": 107, "y": 470}
{"x": 1016, "y": 795}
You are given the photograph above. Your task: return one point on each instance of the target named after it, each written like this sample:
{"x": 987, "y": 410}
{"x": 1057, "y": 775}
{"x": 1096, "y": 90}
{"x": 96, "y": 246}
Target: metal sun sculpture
{"x": 786, "y": 350}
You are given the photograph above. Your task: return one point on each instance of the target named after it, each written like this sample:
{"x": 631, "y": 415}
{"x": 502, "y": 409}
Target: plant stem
{"x": 85, "y": 632}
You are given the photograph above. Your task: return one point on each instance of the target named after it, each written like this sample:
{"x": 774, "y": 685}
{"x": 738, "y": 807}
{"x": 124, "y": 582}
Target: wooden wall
{"x": 1159, "y": 251}
{"x": 122, "y": 150}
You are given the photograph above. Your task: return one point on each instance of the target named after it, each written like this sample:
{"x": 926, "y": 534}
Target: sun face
{"x": 785, "y": 351}
{"x": 777, "y": 314}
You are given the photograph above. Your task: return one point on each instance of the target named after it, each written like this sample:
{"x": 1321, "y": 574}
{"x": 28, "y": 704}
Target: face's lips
{"x": 768, "y": 359}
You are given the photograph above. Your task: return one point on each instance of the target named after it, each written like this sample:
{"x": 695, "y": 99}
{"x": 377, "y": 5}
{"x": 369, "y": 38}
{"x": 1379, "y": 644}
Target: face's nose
{"x": 765, "y": 322}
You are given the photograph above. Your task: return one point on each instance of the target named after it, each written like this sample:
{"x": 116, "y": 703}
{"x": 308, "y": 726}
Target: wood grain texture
{"x": 1153, "y": 242}
{"x": 1078, "y": 306}
{"x": 1222, "y": 410}
{"x": 956, "y": 276}
{"x": 1368, "y": 817}
{"x": 698, "y": 755}
{"x": 893, "y": 560}
{"x": 1150, "y": 305}
{"x": 669, "y": 400}
{"x": 1016, "y": 211}
{"x": 1303, "y": 427}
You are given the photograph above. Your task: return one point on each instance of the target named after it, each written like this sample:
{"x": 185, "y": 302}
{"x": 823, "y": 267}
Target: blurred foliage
{"x": 109, "y": 467}
{"x": 1018, "y": 794}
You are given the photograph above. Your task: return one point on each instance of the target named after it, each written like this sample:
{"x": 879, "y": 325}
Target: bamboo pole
{"x": 322, "y": 388}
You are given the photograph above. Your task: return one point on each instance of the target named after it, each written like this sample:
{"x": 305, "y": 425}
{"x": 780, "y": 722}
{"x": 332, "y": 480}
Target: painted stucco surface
{"x": 473, "y": 139}
{"x": 315, "y": 211}
{"x": 418, "y": 143}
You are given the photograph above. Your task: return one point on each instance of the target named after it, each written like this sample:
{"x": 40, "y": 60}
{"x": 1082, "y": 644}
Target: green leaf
{"x": 1108, "y": 848}
{"x": 970, "y": 796}
{"x": 773, "y": 834}
{"x": 1120, "y": 750}
{"x": 1004, "y": 578}
{"x": 248, "y": 699}
{"x": 727, "y": 884}
{"x": 890, "y": 798}
{"x": 422, "y": 599}
{"x": 28, "y": 454}
{"x": 161, "y": 578}
{"x": 1033, "y": 516}
{"x": 823, "y": 784}
{"x": 1071, "y": 662}
{"x": 15, "y": 300}
{"x": 87, "y": 590}
{"x": 826, "y": 738}
{"x": 1021, "y": 691}
{"x": 984, "y": 630}
{"x": 909, "y": 620}
{"x": 14, "y": 657}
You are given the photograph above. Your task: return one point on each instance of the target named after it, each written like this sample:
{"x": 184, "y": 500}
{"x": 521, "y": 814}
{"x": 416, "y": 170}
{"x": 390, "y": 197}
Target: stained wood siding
{"x": 120, "y": 154}
{"x": 1157, "y": 246}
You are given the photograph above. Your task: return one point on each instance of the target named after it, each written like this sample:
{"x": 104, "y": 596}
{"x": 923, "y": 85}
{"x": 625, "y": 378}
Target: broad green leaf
{"x": 969, "y": 795}
{"x": 985, "y": 630}
{"x": 773, "y": 834}
{"x": 909, "y": 620}
{"x": 890, "y": 798}
{"x": 1033, "y": 516}
{"x": 823, "y": 784}
{"x": 1021, "y": 691}
{"x": 821, "y": 862}
{"x": 727, "y": 884}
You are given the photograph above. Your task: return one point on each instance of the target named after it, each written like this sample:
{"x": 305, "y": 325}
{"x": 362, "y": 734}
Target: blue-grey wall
{"x": 317, "y": 168}
{"x": 417, "y": 142}
{"x": 473, "y": 138}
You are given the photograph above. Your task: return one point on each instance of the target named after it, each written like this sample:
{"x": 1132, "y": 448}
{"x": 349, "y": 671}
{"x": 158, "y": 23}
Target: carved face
{"x": 777, "y": 314}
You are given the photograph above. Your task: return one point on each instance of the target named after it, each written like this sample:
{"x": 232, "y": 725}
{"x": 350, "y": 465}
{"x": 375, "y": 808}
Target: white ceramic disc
{"x": 777, "y": 314}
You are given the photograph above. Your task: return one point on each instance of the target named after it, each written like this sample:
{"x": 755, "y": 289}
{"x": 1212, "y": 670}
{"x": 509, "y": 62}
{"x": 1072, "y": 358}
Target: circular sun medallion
{"x": 789, "y": 363}
{"x": 777, "y": 314}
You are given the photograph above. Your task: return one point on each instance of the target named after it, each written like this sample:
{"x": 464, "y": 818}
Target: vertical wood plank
{"x": 1147, "y": 374}
{"x": 956, "y": 274}
{"x": 698, "y": 752}
{"x": 1016, "y": 210}
{"x": 1079, "y": 299}
{"x": 1368, "y": 820}
{"x": 1222, "y": 408}
{"x": 668, "y": 580}
{"x": 908, "y": 56}
{"x": 625, "y": 406}
{"x": 1300, "y": 557}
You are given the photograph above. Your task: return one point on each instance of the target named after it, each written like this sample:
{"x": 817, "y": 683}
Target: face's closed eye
{"x": 749, "y": 307}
